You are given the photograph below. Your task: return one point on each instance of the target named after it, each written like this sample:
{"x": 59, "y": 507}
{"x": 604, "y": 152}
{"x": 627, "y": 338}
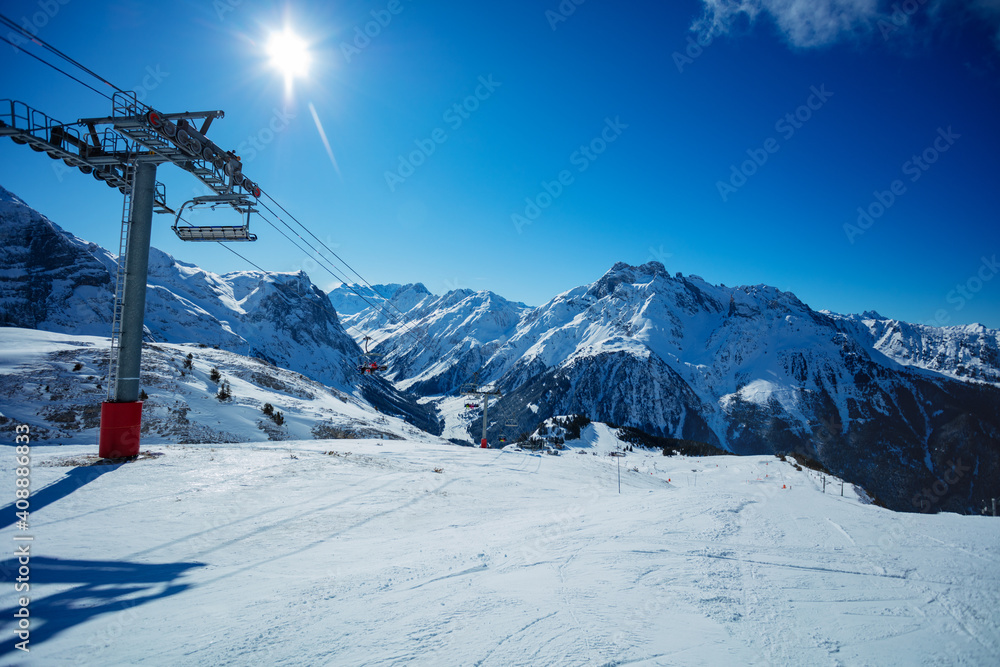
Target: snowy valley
{"x": 888, "y": 405}
{"x": 289, "y": 510}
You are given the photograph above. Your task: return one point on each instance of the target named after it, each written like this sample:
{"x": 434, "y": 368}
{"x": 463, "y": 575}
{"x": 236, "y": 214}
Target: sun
{"x": 289, "y": 54}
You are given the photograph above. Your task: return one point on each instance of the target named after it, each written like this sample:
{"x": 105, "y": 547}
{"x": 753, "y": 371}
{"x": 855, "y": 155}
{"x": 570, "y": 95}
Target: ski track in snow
{"x": 238, "y": 554}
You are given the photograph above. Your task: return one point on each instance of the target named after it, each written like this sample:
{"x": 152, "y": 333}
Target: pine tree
{"x": 278, "y": 418}
{"x": 214, "y": 375}
{"x": 224, "y": 391}
{"x": 268, "y": 409}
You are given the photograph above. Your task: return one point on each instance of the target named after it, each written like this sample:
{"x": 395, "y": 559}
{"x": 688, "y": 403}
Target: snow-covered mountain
{"x": 435, "y": 343}
{"x": 394, "y": 299}
{"x": 54, "y": 383}
{"x": 57, "y": 282}
{"x": 50, "y": 279}
{"x": 752, "y": 369}
{"x": 895, "y": 407}
{"x": 970, "y": 351}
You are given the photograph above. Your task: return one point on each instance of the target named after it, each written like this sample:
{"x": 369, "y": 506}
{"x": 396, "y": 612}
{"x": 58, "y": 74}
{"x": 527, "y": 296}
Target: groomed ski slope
{"x": 287, "y": 554}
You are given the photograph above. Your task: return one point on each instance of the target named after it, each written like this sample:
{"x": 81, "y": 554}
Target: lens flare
{"x": 289, "y": 54}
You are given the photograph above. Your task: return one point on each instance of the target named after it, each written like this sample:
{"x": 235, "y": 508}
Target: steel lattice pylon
{"x": 124, "y": 153}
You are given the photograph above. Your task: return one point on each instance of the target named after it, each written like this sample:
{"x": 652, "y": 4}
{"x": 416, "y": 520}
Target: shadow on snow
{"x": 94, "y": 588}
{"x": 74, "y": 479}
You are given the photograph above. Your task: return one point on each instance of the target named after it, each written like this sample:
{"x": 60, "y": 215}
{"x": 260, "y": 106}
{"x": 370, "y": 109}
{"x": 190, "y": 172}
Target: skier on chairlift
{"x": 370, "y": 368}
{"x": 369, "y": 365}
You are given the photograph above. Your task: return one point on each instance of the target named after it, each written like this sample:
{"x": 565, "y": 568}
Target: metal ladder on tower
{"x": 116, "y": 323}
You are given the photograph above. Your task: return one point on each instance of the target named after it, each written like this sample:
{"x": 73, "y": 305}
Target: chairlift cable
{"x": 260, "y": 268}
{"x": 229, "y": 248}
{"x": 342, "y": 260}
{"x": 402, "y": 320}
{"x": 326, "y": 264}
{"x": 398, "y": 320}
{"x": 61, "y": 71}
{"x": 42, "y": 42}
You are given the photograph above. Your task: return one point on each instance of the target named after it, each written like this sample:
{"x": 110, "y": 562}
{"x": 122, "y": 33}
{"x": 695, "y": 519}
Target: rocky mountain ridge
{"x": 752, "y": 369}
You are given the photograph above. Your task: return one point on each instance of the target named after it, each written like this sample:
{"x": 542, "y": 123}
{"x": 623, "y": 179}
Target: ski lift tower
{"x": 485, "y": 393}
{"x": 123, "y": 150}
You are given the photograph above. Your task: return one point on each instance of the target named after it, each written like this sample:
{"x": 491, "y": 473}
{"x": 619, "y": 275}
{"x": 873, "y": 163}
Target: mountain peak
{"x": 8, "y": 196}
{"x": 416, "y": 289}
{"x": 649, "y": 268}
{"x": 622, "y": 273}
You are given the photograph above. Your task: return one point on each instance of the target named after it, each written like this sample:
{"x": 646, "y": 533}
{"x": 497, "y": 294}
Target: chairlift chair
{"x": 369, "y": 364}
{"x": 241, "y": 203}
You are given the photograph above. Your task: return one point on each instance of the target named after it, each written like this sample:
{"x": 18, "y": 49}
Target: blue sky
{"x": 667, "y": 149}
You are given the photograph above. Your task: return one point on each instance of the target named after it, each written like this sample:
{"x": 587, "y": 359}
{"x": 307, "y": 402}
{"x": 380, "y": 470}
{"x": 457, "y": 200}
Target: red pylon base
{"x": 483, "y": 446}
{"x": 120, "y": 424}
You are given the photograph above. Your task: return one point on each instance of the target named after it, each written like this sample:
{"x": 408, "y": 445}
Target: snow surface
{"x": 402, "y": 552}
{"x": 19, "y": 347}
{"x": 53, "y": 383}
